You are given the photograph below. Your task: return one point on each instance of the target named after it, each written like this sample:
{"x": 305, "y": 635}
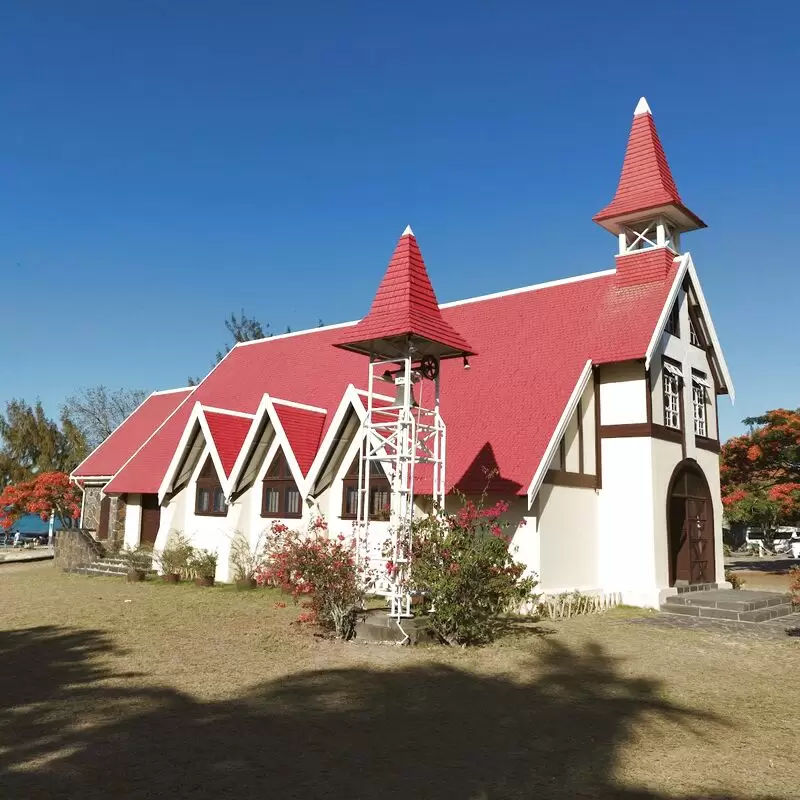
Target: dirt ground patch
{"x": 769, "y": 574}
{"x": 146, "y": 690}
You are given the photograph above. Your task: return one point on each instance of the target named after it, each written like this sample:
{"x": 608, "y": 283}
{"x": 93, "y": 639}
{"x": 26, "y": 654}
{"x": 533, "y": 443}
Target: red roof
{"x": 131, "y": 434}
{"x": 303, "y": 428}
{"x": 499, "y": 414}
{"x": 228, "y": 432}
{"x": 646, "y": 181}
{"x": 404, "y": 305}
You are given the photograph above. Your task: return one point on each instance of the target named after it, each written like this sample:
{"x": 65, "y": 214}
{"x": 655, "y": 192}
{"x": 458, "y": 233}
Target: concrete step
{"x": 695, "y": 587}
{"x": 729, "y": 604}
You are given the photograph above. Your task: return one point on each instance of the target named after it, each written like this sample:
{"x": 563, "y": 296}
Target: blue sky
{"x": 165, "y": 163}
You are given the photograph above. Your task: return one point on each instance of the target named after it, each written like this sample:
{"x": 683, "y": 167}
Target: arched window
{"x": 209, "y": 499}
{"x": 281, "y": 497}
{"x": 380, "y": 492}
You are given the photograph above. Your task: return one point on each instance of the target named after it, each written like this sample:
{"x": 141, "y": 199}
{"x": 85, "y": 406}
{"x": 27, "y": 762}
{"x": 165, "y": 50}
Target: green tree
{"x": 760, "y": 471}
{"x": 32, "y": 443}
{"x": 242, "y": 329}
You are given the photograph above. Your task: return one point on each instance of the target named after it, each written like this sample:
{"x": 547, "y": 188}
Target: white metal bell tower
{"x": 403, "y": 434}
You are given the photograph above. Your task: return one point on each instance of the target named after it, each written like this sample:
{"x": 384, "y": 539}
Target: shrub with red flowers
{"x": 320, "y": 571}
{"x": 48, "y": 493}
{"x": 462, "y": 563}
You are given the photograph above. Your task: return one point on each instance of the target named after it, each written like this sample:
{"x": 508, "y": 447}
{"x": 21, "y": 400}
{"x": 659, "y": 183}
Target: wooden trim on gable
{"x": 649, "y": 396}
{"x": 704, "y": 443}
{"x": 579, "y": 412}
{"x": 598, "y": 450}
{"x": 559, "y": 477}
{"x": 641, "y": 430}
{"x": 626, "y": 430}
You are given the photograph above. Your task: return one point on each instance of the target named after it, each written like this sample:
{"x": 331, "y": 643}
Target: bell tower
{"x": 647, "y": 213}
{"x": 405, "y": 338}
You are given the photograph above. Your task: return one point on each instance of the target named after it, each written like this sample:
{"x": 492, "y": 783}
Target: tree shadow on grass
{"x": 427, "y": 731}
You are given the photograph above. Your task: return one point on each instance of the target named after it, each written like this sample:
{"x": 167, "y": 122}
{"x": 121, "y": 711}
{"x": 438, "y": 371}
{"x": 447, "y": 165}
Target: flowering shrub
{"x": 462, "y": 563}
{"x": 319, "y": 569}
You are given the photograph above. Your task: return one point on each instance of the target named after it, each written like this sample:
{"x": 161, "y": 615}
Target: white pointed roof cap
{"x": 642, "y": 108}
{"x": 408, "y": 231}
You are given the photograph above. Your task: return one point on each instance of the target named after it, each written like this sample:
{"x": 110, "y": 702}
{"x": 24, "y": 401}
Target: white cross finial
{"x": 642, "y": 108}
{"x": 408, "y": 231}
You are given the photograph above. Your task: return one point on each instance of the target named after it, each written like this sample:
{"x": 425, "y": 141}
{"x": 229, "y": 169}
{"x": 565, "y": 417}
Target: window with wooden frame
{"x": 209, "y": 497}
{"x": 672, "y": 376}
{"x": 673, "y": 321}
{"x": 699, "y": 400}
{"x": 380, "y": 492}
{"x": 280, "y": 496}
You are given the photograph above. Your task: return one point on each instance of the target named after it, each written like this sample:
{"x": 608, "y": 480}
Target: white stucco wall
{"x": 622, "y": 394}
{"x": 133, "y": 520}
{"x": 626, "y": 557}
{"x": 568, "y": 539}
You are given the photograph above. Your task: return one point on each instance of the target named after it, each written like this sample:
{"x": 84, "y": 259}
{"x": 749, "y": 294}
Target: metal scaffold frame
{"x": 401, "y": 435}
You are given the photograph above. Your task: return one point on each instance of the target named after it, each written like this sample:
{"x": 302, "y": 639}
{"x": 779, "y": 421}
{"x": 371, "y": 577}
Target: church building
{"x": 589, "y": 404}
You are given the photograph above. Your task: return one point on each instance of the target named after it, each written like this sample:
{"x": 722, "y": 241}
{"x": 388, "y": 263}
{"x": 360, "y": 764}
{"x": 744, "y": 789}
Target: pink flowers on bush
{"x": 321, "y": 570}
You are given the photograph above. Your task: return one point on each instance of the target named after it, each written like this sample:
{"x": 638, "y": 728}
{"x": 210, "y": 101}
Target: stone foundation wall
{"x": 76, "y": 547}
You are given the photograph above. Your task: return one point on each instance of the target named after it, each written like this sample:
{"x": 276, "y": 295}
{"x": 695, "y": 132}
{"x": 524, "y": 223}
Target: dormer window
{"x": 673, "y": 321}
{"x": 672, "y": 394}
{"x": 209, "y": 497}
{"x": 280, "y": 497}
{"x": 379, "y": 492}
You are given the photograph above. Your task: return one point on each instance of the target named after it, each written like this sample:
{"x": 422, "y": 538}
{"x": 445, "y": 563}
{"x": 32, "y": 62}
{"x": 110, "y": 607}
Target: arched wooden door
{"x": 690, "y": 522}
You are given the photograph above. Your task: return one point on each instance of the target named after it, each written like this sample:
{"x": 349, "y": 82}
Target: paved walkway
{"x": 783, "y": 629}
{"x": 16, "y": 555}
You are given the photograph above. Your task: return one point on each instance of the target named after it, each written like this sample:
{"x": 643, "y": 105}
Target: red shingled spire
{"x": 405, "y": 309}
{"x": 646, "y": 185}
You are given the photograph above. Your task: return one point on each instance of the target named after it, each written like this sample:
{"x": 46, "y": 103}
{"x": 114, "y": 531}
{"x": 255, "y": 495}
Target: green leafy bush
{"x": 461, "y": 562}
{"x": 174, "y": 558}
{"x": 733, "y": 579}
{"x": 202, "y": 564}
{"x": 139, "y": 558}
{"x": 246, "y": 559}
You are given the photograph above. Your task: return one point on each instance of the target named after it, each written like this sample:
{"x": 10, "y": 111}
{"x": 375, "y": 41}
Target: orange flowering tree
{"x": 760, "y": 471}
{"x": 46, "y": 494}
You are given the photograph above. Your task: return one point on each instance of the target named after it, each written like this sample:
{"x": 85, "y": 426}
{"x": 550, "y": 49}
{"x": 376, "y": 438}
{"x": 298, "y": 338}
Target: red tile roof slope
{"x": 646, "y": 180}
{"x": 303, "y": 429}
{"x": 131, "y": 434}
{"x": 228, "y": 432}
{"x": 501, "y": 413}
{"x": 405, "y": 303}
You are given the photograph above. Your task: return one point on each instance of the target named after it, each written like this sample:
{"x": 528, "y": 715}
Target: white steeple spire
{"x": 642, "y": 108}
{"x": 408, "y": 231}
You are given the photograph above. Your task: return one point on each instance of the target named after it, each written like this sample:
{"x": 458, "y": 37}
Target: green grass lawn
{"x": 116, "y": 690}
